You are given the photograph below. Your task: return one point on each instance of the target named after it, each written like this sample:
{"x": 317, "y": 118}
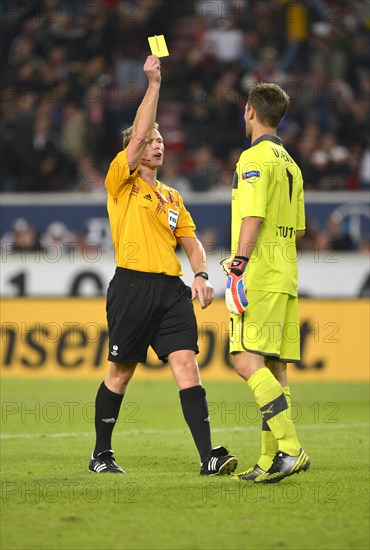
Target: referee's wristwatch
{"x": 203, "y": 274}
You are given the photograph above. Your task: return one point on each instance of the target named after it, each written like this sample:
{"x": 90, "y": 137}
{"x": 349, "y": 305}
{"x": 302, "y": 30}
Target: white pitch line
{"x": 318, "y": 426}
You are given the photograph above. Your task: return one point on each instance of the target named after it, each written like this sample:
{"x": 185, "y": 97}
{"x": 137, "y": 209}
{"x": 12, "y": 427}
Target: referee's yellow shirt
{"x": 269, "y": 184}
{"x": 145, "y": 221}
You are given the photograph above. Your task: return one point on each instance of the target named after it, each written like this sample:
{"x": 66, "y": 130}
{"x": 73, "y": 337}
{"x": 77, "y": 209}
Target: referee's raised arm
{"x": 146, "y": 113}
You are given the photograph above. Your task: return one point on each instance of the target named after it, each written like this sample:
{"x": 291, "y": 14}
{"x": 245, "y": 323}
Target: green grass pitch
{"x": 49, "y": 500}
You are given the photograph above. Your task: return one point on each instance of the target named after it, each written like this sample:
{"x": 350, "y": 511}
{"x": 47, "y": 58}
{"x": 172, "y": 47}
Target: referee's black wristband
{"x": 203, "y": 274}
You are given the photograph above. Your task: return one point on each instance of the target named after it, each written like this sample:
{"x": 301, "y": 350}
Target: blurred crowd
{"x": 55, "y": 241}
{"x": 73, "y": 79}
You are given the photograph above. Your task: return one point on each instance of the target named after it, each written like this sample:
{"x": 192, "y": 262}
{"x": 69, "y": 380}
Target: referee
{"x": 261, "y": 295}
{"x": 147, "y": 302}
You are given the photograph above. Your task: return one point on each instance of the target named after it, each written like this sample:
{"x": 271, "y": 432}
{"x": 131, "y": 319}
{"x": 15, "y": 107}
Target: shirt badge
{"x": 251, "y": 176}
{"x": 173, "y": 216}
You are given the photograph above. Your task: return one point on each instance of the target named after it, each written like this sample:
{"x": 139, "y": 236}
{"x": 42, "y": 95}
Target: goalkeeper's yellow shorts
{"x": 269, "y": 326}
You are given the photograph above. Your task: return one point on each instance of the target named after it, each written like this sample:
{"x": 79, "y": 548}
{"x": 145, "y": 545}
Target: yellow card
{"x": 158, "y": 45}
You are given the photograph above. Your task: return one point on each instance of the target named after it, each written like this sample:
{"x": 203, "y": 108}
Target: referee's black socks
{"x": 195, "y": 409}
{"x": 107, "y": 406}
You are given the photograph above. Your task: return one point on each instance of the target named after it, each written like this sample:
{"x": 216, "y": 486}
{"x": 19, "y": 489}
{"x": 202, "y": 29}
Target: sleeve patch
{"x": 251, "y": 174}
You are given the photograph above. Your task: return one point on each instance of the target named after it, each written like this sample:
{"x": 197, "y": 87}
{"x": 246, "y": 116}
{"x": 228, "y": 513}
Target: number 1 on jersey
{"x": 290, "y": 182}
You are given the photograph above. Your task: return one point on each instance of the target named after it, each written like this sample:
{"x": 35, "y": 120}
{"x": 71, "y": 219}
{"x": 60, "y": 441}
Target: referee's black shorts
{"x": 149, "y": 309}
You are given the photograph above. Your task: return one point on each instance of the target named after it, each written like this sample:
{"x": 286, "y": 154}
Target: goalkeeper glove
{"x": 236, "y": 300}
{"x": 225, "y": 264}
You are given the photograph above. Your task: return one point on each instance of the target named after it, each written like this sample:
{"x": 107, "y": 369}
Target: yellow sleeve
{"x": 185, "y": 226}
{"x": 118, "y": 174}
{"x": 253, "y": 179}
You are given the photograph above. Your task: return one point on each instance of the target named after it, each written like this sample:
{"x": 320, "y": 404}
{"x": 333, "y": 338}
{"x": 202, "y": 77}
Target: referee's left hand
{"x": 204, "y": 290}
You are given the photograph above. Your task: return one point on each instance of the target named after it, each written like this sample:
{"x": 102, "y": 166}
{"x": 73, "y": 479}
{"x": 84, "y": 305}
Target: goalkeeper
{"x": 261, "y": 291}
{"x": 147, "y": 302}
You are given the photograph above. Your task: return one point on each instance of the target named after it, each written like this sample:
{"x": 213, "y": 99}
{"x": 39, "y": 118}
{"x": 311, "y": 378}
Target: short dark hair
{"x": 270, "y": 103}
{"x": 126, "y": 134}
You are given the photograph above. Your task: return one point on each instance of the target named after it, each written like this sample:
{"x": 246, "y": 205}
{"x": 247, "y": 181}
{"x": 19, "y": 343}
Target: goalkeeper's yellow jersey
{"x": 269, "y": 184}
{"x": 145, "y": 221}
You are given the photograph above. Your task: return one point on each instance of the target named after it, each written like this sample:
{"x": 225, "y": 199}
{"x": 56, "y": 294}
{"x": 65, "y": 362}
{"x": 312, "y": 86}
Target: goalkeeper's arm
{"x": 248, "y": 236}
{"x": 235, "y": 294}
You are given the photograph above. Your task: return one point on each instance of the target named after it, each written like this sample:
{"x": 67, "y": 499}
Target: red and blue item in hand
{"x": 235, "y": 295}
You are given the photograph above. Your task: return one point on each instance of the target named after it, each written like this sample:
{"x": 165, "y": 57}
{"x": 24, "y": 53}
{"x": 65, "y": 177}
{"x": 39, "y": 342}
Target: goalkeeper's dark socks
{"x": 195, "y": 409}
{"x": 107, "y": 406}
